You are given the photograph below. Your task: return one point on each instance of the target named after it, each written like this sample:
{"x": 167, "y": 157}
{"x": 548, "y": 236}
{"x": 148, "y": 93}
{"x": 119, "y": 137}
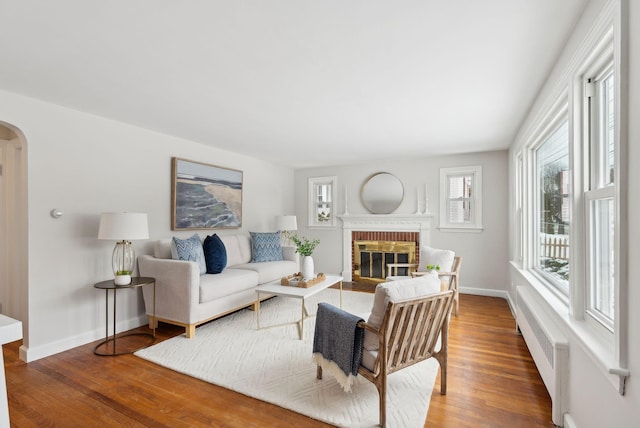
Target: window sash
{"x": 551, "y": 229}
{"x": 461, "y": 199}
{"x": 601, "y": 260}
{"x": 600, "y": 197}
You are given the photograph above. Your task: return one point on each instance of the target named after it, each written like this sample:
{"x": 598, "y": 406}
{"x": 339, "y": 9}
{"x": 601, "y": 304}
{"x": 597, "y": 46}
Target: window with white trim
{"x": 573, "y": 174}
{"x": 600, "y": 190}
{"x": 553, "y": 215}
{"x": 322, "y": 200}
{"x": 461, "y": 198}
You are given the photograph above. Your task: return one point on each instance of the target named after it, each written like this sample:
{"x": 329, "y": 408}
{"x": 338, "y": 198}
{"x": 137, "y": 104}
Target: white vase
{"x": 307, "y": 267}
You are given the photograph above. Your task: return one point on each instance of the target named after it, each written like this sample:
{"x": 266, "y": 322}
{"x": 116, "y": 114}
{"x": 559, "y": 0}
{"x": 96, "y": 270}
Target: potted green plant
{"x": 305, "y": 247}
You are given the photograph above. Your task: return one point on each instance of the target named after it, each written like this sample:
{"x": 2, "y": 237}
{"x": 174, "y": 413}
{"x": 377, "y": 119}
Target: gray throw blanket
{"x": 337, "y": 343}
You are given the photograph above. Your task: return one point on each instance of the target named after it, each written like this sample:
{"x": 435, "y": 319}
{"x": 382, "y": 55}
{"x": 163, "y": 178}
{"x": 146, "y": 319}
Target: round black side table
{"x": 136, "y": 282}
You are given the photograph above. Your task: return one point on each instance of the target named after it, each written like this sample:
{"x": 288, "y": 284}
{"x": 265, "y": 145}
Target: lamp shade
{"x": 286, "y": 222}
{"x": 123, "y": 226}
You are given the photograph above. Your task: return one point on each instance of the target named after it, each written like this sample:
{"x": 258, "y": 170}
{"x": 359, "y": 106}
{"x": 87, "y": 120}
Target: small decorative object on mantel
{"x": 297, "y": 280}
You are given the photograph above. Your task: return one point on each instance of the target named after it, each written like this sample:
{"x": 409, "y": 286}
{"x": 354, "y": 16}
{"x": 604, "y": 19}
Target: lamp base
{"x": 122, "y": 280}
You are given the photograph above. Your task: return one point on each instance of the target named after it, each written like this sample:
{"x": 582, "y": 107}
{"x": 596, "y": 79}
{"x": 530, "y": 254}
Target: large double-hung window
{"x": 570, "y": 210}
{"x": 553, "y": 213}
{"x": 600, "y": 191}
{"x": 461, "y": 199}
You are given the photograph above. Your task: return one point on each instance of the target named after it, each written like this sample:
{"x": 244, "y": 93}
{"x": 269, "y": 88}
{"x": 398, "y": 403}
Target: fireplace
{"x": 370, "y": 259}
{"x": 382, "y": 228}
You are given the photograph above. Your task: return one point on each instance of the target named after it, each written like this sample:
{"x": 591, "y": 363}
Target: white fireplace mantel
{"x": 383, "y": 223}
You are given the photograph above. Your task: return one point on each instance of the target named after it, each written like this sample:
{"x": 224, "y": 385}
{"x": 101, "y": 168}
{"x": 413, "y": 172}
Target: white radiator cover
{"x": 548, "y": 347}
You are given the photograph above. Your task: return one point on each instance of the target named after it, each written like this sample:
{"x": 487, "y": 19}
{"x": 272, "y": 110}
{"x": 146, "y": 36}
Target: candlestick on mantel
{"x": 426, "y": 198}
{"x": 417, "y": 200}
{"x": 346, "y": 208}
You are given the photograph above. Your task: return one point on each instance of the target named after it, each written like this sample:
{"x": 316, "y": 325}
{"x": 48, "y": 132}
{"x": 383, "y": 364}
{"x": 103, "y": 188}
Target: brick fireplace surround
{"x": 382, "y": 227}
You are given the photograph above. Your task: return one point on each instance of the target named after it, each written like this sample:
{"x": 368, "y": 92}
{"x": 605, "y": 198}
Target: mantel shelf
{"x": 384, "y": 217}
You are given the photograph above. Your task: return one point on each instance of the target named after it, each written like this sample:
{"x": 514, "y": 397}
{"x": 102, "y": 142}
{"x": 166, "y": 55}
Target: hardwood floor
{"x": 492, "y": 383}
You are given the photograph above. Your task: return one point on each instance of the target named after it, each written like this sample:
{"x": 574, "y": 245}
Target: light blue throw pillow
{"x": 189, "y": 249}
{"x": 266, "y": 247}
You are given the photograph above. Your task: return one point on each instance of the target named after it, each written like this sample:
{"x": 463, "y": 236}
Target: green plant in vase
{"x": 432, "y": 268}
{"x": 305, "y": 247}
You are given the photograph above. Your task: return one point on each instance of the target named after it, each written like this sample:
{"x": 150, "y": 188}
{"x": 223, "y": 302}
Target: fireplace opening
{"x": 370, "y": 259}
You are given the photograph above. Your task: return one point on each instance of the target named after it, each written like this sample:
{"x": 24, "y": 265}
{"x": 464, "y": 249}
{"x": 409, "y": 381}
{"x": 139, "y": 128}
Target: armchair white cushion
{"x": 394, "y": 291}
{"x": 435, "y": 256}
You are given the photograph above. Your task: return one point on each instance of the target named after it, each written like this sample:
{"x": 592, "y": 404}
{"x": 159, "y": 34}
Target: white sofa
{"x": 186, "y": 298}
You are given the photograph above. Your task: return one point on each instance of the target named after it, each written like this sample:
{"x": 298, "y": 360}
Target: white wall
{"x": 594, "y": 400}
{"x": 85, "y": 165}
{"x": 485, "y": 256}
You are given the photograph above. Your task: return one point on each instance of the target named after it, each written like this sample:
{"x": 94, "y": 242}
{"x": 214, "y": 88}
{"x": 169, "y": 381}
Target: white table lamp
{"x": 123, "y": 227}
{"x": 286, "y": 224}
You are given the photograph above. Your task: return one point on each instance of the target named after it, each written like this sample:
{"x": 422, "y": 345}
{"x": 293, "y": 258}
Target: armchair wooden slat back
{"x": 409, "y": 334}
{"x": 453, "y": 276}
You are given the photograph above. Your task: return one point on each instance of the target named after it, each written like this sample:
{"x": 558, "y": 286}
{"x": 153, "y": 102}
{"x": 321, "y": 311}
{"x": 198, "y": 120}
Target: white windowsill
{"x": 461, "y": 229}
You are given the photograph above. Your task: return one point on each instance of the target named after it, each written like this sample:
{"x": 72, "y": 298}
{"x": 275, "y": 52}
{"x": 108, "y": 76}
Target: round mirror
{"x": 382, "y": 193}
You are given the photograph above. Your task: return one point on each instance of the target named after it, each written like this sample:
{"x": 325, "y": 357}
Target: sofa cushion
{"x": 238, "y": 248}
{"x": 189, "y": 249}
{"x": 271, "y": 271}
{"x": 230, "y": 281}
{"x": 215, "y": 254}
{"x": 266, "y": 247}
{"x": 395, "y": 291}
{"x": 162, "y": 249}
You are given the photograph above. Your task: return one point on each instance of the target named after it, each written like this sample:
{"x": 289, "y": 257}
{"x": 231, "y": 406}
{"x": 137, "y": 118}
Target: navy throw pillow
{"x": 215, "y": 254}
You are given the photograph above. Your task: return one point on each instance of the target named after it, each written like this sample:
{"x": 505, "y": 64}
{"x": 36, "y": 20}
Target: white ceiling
{"x": 299, "y": 82}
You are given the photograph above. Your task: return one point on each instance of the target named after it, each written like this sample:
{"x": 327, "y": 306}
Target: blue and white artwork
{"x": 205, "y": 196}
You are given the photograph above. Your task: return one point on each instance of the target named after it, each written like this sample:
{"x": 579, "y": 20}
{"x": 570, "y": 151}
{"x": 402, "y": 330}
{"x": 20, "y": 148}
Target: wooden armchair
{"x": 408, "y": 335}
{"x": 452, "y": 277}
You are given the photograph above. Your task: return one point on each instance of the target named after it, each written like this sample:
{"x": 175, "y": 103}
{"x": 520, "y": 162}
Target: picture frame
{"x": 205, "y": 196}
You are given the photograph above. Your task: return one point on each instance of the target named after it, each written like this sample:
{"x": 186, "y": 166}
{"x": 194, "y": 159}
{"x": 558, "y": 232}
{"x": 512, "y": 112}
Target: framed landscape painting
{"x": 205, "y": 196}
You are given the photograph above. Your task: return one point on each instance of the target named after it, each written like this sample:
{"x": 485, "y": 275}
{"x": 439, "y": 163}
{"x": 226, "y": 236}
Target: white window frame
{"x": 519, "y": 191}
{"x": 315, "y": 184}
{"x": 607, "y": 349}
{"x": 596, "y": 190}
{"x": 559, "y": 117}
{"x": 475, "y": 225}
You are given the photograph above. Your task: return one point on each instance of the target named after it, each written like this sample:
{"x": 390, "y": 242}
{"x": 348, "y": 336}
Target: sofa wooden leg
{"x": 153, "y": 322}
{"x": 190, "y": 331}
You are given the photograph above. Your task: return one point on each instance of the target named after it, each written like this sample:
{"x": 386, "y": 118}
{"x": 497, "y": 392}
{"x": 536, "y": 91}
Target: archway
{"x": 13, "y": 225}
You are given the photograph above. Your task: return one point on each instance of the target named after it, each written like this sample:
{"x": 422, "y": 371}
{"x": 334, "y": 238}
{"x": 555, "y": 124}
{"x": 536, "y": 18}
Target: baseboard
{"x": 484, "y": 292}
{"x": 569, "y": 422}
{"x": 33, "y": 353}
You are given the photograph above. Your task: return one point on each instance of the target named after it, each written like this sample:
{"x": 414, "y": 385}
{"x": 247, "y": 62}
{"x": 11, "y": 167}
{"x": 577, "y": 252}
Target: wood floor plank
{"x": 492, "y": 382}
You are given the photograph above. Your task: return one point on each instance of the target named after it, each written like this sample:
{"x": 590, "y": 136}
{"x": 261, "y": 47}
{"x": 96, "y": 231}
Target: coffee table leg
{"x": 301, "y": 329}
{"x": 340, "y": 294}
{"x": 258, "y": 311}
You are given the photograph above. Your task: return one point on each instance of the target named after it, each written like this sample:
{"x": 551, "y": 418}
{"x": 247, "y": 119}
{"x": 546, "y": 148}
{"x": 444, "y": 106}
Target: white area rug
{"x": 274, "y": 366}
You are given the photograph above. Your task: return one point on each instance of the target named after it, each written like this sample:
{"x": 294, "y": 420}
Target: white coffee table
{"x": 301, "y": 293}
